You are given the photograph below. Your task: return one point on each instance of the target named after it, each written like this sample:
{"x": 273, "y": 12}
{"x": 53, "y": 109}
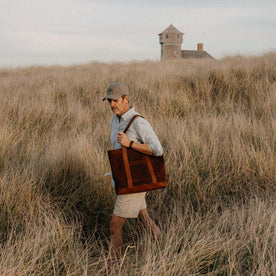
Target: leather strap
{"x": 125, "y": 156}
{"x": 127, "y": 167}
{"x": 131, "y": 121}
{"x": 152, "y": 173}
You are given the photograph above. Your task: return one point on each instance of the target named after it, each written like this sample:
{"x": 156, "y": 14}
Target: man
{"x": 140, "y": 137}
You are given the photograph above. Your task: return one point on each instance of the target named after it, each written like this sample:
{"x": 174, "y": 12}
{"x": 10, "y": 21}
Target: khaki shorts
{"x": 129, "y": 206}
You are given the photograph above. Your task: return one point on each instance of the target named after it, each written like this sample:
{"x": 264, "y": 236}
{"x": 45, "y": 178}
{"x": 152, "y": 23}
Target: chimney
{"x": 200, "y": 46}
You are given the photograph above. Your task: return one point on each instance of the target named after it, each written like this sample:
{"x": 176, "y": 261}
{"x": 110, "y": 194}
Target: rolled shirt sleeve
{"x": 146, "y": 135}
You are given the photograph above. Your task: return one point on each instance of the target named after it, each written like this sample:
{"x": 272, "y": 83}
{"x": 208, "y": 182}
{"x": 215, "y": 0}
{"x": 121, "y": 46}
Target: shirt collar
{"x": 128, "y": 114}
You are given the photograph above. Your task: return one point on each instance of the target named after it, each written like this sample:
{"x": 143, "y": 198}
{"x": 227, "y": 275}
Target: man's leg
{"x": 149, "y": 224}
{"x": 116, "y": 238}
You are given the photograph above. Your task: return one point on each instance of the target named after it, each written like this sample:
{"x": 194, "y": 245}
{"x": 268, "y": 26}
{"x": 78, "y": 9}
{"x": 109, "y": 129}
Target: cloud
{"x": 83, "y": 30}
{"x": 44, "y": 15}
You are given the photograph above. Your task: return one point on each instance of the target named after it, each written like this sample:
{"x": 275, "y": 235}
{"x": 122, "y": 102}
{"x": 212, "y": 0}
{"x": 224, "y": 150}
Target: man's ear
{"x": 127, "y": 98}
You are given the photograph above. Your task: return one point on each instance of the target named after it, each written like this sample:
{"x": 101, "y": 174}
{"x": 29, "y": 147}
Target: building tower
{"x": 170, "y": 40}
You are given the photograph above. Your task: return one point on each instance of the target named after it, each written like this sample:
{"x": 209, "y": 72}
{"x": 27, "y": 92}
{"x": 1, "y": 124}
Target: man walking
{"x": 140, "y": 137}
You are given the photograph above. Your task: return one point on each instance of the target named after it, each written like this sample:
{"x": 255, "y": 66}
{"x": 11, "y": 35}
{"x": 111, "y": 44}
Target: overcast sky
{"x": 80, "y": 31}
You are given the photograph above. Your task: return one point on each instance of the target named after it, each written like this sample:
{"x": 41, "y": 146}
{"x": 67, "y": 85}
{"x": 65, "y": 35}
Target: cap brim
{"x": 112, "y": 97}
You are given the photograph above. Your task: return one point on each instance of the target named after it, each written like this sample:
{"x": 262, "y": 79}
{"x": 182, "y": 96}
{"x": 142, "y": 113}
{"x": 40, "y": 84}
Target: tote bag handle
{"x": 125, "y": 156}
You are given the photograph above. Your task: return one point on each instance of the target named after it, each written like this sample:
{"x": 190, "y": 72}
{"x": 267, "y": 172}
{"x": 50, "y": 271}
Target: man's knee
{"x": 143, "y": 216}
{"x": 116, "y": 224}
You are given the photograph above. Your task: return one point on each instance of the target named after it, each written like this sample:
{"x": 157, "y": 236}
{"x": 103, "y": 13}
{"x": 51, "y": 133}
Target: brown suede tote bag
{"x": 135, "y": 172}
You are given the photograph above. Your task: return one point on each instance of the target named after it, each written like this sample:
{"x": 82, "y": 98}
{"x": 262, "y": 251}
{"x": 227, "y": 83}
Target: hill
{"x": 217, "y": 123}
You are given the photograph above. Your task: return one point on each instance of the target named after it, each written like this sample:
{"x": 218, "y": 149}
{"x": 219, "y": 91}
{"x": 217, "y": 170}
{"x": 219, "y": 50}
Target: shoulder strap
{"x": 131, "y": 121}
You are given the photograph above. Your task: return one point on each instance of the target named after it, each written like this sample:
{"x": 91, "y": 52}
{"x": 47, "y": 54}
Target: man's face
{"x": 119, "y": 106}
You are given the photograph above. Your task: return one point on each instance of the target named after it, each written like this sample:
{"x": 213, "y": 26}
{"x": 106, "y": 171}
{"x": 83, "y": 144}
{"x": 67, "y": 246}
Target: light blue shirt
{"x": 140, "y": 131}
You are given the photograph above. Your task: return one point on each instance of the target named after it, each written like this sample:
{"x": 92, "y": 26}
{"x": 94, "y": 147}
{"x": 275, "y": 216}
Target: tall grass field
{"x": 216, "y": 120}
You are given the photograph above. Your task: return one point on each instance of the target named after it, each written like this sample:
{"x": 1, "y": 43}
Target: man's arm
{"x": 146, "y": 134}
{"x": 125, "y": 141}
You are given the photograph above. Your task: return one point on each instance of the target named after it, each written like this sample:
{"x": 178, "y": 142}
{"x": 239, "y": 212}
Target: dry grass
{"x": 217, "y": 123}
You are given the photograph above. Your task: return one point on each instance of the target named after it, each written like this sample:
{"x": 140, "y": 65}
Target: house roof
{"x": 194, "y": 54}
{"x": 171, "y": 30}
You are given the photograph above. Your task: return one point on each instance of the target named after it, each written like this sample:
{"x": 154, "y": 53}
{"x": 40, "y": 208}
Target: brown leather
{"x": 152, "y": 173}
{"x": 142, "y": 188}
{"x": 136, "y": 172}
{"x": 127, "y": 168}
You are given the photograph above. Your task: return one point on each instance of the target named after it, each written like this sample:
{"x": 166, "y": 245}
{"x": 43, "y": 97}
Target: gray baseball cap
{"x": 115, "y": 91}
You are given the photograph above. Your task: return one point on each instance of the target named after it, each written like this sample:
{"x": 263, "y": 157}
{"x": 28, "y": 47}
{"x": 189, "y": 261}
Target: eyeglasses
{"x": 110, "y": 100}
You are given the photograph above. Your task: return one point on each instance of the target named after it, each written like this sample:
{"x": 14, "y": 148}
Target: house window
{"x": 167, "y": 36}
{"x": 167, "y": 52}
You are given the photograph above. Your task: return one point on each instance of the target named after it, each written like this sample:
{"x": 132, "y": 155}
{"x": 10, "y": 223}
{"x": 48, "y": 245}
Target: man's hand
{"x": 123, "y": 139}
